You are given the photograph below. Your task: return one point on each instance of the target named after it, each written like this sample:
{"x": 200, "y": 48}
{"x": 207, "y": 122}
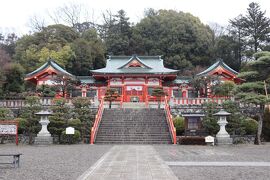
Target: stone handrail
{"x": 170, "y": 121}
{"x": 97, "y": 122}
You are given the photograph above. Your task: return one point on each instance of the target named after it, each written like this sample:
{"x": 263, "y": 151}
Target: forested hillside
{"x": 182, "y": 39}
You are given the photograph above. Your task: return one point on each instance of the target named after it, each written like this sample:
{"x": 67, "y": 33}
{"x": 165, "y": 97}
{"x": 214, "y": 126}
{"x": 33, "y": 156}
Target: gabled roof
{"x": 42, "y": 69}
{"x": 135, "y": 60}
{"x": 219, "y": 64}
{"x": 148, "y": 65}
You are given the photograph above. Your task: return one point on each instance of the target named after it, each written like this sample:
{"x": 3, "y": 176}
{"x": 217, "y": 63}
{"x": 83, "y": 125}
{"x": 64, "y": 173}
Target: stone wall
{"x": 246, "y": 139}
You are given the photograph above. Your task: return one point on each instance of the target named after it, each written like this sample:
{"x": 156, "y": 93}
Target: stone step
{"x": 134, "y": 142}
{"x": 116, "y": 138}
{"x": 133, "y": 126}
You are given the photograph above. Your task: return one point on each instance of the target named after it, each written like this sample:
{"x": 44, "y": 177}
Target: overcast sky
{"x": 15, "y": 14}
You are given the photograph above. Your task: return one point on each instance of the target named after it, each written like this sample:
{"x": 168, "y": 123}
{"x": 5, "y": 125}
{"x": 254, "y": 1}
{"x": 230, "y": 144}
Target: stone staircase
{"x": 133, "y": 126}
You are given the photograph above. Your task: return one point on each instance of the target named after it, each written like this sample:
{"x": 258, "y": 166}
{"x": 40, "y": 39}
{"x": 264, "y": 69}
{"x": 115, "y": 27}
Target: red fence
{"x": 97, "y": 121}
{"x": 170, "y": 121}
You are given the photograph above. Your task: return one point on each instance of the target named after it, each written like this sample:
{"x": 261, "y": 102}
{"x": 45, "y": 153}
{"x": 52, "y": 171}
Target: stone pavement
{"x": 130, "y": 162}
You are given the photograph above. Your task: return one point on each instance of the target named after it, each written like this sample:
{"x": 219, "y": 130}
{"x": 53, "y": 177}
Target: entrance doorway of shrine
{"x": 134, "y": 94}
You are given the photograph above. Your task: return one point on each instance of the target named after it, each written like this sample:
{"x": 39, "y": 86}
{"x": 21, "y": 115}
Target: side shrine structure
{"x": 135, "y": 77}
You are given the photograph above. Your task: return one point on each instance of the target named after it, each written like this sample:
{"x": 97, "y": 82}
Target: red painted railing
{"x": 146, "y": 102}
{"x": 170, "y": 121}
{"x": 97, "y": 121}
{"x": 121, "y": 102}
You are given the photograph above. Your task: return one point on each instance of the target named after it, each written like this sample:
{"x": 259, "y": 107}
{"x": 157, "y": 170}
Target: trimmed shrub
{"x": 81, "y": 102}
{"x": 250, "y": 126}
{"x": 179, "y": 123}
{"x": 70, "y": 138}
{"x": 192, "y": 140}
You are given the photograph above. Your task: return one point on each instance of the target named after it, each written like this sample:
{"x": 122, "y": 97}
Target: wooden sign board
{"x": 70, "y": 130}
{"x": 9, "y": 128}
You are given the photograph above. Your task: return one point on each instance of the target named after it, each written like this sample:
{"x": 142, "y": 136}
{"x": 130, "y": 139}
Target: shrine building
{"x": 134, "y": 77}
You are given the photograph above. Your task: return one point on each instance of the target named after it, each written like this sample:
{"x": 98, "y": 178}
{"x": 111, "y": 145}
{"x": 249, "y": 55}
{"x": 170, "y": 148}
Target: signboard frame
{"x": 16, "y": 123}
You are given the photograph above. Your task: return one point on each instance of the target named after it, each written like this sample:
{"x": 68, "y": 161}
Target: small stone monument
{"x": 223, "y": 138}
{"x": 44, "y": 137}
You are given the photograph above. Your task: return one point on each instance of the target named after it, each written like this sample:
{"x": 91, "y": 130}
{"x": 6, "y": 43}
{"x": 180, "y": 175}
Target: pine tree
{"x": 111, "y": 95}
{"x": 158, "y": 92}
{"x": 252, "y": 93}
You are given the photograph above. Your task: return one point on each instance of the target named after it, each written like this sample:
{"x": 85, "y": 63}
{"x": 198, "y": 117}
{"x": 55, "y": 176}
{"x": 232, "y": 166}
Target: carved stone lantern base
{"x": 43, "y": 140}
{"x": 224, "y": 140}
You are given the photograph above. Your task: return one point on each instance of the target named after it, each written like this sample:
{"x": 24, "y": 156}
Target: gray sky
{"x": 15, "y": 14}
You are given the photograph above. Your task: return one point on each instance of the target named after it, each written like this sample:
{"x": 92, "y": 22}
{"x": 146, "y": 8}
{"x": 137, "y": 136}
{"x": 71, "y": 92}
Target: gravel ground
{"x": 55, "y": 162}
{"x": 221, "y": 173}
{"x": 239, "y": 153}
{"x": 68, "y": 162}
{"x": 214, "y": 153}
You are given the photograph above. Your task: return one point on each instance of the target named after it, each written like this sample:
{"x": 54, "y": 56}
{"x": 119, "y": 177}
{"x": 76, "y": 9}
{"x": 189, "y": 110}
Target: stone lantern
{"x": 222, "y": 136}
{"x": 44, "y": 137}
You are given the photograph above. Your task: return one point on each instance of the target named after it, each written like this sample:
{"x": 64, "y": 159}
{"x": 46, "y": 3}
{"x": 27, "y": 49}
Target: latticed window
{"x": 118, "y": 89}
{"x": 76, "y": 93}
{"x": 91, "y": 93}
{"x": 192, "y": 94}
{"x": 150, "y": 90}
{"x": 177, "y": 93}
{"x": 193, "y": 123}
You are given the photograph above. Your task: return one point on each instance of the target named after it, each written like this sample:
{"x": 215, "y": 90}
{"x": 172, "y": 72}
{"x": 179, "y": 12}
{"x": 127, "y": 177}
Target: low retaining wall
{"x": 237, "y": 139}
{"x": 246, "y": 139}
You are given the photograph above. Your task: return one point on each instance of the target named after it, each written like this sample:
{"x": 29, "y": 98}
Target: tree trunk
{"x": 110, "y": 105}
{"x": 2, "y": 139}
{"x": 30, "y": 138}
{"x": 259, "y": 130}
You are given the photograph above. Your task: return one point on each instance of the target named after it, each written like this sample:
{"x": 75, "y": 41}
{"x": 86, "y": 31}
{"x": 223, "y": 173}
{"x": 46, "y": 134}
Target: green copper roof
{"x": 51, "y": 63}
{"x": 117, "y": 65}
{"x": 86, "y": 79}
{"x": 214, "y": 66}
{"x": 181, "y": 80}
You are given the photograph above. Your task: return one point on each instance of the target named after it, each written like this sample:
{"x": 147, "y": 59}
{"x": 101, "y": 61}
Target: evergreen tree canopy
{"x": 179, "y": 36}
{"x": 253, "y": 91}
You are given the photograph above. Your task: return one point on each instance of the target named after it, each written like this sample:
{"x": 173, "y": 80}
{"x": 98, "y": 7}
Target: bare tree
{"x": 70, "y": 14}
{"x": 217, "y": 29}
{"x": 36, "y": 23}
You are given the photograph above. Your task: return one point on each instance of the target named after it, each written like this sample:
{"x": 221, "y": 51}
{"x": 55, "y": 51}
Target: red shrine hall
{"x": 134, "y": 77}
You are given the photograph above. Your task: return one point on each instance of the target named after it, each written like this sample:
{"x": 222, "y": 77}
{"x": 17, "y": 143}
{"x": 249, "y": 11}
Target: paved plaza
{"x": 85, "y": 162}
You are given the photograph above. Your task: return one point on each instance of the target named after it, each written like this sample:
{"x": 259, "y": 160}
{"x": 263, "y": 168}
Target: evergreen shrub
{"x": 192, "y": 140}
{"x": 70, "y": 138}
{"x": 179, "y": 123}
{"x": 251, "y": 126}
